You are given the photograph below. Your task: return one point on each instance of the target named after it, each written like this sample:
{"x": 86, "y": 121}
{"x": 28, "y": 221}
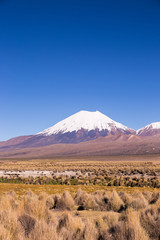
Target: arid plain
{"x": 80, "y": 197}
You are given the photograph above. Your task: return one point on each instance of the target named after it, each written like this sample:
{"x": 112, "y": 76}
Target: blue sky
{"x": 58, "y": 57}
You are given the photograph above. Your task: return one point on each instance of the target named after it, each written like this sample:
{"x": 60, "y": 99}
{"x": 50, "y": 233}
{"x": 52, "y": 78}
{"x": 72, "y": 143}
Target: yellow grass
{"x": 20, "y": 189}
{"x": 148, "y": 161}
{"x": 43, "y": 216}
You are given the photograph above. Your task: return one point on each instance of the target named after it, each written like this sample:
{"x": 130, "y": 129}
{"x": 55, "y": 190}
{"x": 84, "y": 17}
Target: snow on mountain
{"x": 149, "y": 130}
{"x": 88, "y": 121}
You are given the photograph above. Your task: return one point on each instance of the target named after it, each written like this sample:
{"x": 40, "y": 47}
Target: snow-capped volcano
{"x": 149, "y": 130}
{"x": 73, "y": 136}
{"x": 80, "y": 127}
{"x": 87, "y": 121}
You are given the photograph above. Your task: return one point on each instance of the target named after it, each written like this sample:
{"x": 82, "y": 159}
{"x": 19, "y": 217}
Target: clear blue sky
{"x": 58, "y": 57}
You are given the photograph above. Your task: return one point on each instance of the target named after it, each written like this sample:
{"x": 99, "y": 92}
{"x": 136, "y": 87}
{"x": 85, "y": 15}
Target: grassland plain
{"x": 110, "y": 171}
{"x": 109, "y": 198}
{"x": 101, "y": 215}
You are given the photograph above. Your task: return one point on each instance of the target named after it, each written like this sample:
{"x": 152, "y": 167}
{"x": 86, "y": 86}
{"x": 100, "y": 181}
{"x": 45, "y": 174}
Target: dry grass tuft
{"x": 66, "y": 202}
{"x": 28, "y": 223}
{"x": 150, "y": 220}
{"x": 115, "y": 203}
{"x": 139, "y": 201}
{"x": 70, "y": 228}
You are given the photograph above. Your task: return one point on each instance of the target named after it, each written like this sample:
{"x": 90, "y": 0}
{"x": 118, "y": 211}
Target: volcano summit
{"x": 86, "y": 125}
